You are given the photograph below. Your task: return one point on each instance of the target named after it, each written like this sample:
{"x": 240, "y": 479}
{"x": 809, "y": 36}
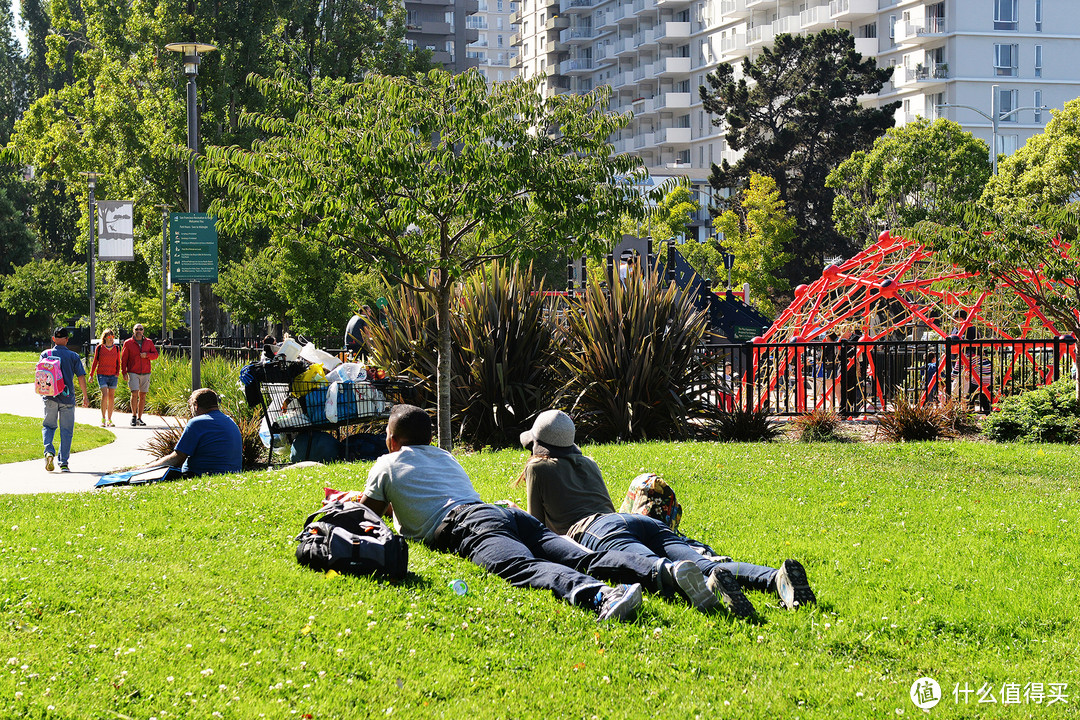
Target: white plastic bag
{"x": 315, "y": 356}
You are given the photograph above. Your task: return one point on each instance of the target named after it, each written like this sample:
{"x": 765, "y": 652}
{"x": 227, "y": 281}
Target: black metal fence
{"x": 864, "y": 378}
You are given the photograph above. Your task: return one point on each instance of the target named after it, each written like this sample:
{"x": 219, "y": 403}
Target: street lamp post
{"x": 164, "y": 267}
{"x": 995, "y": 118}
{"x": 191, "y": 51}
{"x": 91, "y": 181}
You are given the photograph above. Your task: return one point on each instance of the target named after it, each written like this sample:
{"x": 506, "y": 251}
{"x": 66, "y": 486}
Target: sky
{"x": 18, "y": 30}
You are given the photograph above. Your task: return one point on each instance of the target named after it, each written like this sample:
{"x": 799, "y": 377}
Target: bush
{"x": 502, "y": 364}
{"x": 632, "y": 359}
{"x": 908, "y": 422}
{"x": 1046, "y": 414}
{"x": 820, "y": 425}
{"x": 744, "y": 426}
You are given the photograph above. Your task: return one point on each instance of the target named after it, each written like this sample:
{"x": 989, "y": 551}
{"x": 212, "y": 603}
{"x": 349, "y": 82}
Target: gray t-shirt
{"x": 562, "y": 491}
{"x": 423, "y": 483}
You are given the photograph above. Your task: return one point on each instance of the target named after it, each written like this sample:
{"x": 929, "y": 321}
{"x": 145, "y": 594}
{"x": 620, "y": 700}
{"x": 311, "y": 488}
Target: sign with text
{"x": 116, "y": 237}
{"x": 193, "y": 247}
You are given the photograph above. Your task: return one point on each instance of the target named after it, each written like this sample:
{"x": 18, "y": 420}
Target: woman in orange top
{"x": 107, "y": 366}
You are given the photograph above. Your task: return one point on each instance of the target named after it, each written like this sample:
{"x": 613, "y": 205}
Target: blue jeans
{"x": 643, "y": 535}
{"x": 515, "y": 546}
{"x": 60, "y": 415}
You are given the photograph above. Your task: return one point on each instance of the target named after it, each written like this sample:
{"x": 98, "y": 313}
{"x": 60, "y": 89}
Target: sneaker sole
{"x": 793, "y": 587}
{"x": 48, "y": 463}
{"x": 625, "y": 608}
{"x": 692, "y": 585}
{"x": 727, "y": 589}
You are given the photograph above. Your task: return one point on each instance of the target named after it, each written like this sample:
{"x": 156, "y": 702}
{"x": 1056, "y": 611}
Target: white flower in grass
{"x": 169, "y": 679}
{"x": 207, "y": 672}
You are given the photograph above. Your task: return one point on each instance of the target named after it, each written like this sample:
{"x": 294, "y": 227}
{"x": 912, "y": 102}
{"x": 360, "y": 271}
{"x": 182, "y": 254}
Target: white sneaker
{"x": 48, "y": 462}
{"x": 690, "y": 583}
{"x": 618, "y": 603}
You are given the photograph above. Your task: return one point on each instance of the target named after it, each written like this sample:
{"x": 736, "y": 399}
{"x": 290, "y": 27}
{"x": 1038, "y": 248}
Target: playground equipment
{"x": 897, "y": 292}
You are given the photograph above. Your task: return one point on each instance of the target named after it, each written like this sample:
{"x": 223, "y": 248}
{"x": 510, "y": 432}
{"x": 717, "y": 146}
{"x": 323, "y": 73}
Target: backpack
{"x": 649, "y": 494}
{"x": 351, "y": 539}
{"x": 48, "y": 378}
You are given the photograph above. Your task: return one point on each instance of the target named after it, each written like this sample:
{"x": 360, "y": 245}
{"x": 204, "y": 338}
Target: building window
{"x": 892, "y": 27}
{"x": 1038, "y": 15}
{"x": 499, "y": 6}
{"x": 499, "y": 40}
{"x": 1005, "y": 12}
{"x": 1038, "y": 61}
{"x": 1006, "y": 59}
{"x": 868, "y": 31}
{"x": 1038, "y": 103}
{"x": 1007, "y": 103}
{"x": 1006, "y": 144}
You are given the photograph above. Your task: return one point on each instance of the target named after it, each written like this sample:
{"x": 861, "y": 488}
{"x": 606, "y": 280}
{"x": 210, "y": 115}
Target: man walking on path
{"x": 60, "y": 410}
{"x": 135, "y": 361}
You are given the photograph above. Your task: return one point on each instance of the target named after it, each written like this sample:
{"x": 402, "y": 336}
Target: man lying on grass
{"x": 566, "y": 492}
{"x": 432, "y": 499}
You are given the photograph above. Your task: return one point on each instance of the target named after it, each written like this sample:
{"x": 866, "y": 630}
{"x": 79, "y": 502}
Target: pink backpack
{"x": 48, "y": 378}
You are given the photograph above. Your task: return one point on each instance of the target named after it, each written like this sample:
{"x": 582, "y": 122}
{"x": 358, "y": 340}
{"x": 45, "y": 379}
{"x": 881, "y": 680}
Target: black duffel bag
{"x": 350, "y": 538}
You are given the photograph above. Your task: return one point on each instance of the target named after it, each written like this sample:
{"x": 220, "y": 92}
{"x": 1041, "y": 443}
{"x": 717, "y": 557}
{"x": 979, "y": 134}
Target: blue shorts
{"x": 107, "y": 381}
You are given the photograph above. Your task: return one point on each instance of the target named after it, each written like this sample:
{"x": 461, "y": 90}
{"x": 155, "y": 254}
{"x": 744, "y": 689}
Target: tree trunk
{"x": 443, "y": 374}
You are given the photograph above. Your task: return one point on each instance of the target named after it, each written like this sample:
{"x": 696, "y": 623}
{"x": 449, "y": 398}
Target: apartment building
{"x": 442, "y": 27}
{"x": 493, "y": 49}
{"x": 985, "y": 54}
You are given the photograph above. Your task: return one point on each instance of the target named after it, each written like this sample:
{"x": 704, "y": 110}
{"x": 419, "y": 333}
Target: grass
{"x": 955, "y": 561}
{"x": 17, "y": 366}
{"x": 20, "y": 438}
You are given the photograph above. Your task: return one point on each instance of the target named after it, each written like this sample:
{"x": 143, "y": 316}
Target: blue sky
{"x": 18, "y": 30}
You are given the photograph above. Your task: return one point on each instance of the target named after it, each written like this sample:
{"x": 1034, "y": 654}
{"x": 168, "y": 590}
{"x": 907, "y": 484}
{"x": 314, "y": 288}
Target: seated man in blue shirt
{"x": 211, "y": 442}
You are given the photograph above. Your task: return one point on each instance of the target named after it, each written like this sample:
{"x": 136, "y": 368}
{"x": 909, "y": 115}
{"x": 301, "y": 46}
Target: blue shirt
{"x": 71, "y": 366}
{"x": 212, "y": 443}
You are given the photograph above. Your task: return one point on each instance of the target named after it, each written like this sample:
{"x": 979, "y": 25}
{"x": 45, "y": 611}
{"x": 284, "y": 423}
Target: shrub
{"x": 820, "y": 425}
{"x": 744, "y": 426}
{"x": 632, "y": 359}
{"x": 1046, "y": 414}
{"x": 908, "y": 422}
{"x": 502, "y": 364}
{"x": 959, "y": 417}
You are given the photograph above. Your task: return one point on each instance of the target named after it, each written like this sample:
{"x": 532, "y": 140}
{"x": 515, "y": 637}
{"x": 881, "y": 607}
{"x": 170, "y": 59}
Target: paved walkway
{"x": 86, "y": 467}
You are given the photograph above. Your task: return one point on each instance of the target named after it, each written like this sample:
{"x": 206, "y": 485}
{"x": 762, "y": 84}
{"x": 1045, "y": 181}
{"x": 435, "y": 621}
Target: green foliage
{"x": 920, "y": 171}
{"x": 632, "y": 363}
{"x": 795, "y": 112}
{"x": 707, "y": 259}
{"x": 1047, "y": 414}
{"x": 820, "y": 425}
{"x": 756, "y": 231}
{"x": 433, "y": 173}
{"x": 503, "y": 353}
{"x": 912, "y": 422}
{"x": 744, "y": 426}
{"x": 669, "y": 219}
{"x": 47, "y": 289}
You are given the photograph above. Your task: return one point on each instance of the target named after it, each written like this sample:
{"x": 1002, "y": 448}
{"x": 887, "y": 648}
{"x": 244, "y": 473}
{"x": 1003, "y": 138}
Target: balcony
{"x": 675, "y": 136}
{"x": 815, "y": 18}
{"x": 733, "y": 46}
{"x": 788, "y": 24}
{"x": 621, "y": 80}
{"x": 515, "y": 39}
{"x": 624, "y": 46}
{"x": 852, "y": 10}
{"x": 644, "y": 6}
{"x": 576, "y": 67}
{"x": 759, "y": 4}
{"x": 672, "y": 31}
{"x": 435, "y": 27}
{"x": 672, "y": 101}
{"x": 672, "y": 3}
{"x": 516, "y": 62}
{"x": 624, "y": 14}
{"x": 576, "y": 7}
{"x": 577, "y": 35}
{"x": 917, "y": 32}
{"x": 515, "y": 17}
{"x": 644, "y": 140}
{"x": 735, "y": 9}
{"x": 645, "y": 38}
{"x": 673, "y": 66}
{"x": 760, "y": 35}
{"x": 867, "y": 47}
{"x": 557, "y": 23}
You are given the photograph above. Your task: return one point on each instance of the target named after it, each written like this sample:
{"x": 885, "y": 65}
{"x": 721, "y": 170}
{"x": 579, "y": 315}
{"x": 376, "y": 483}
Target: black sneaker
{"x": 140, "y": 422}
{"x": 792, "y": 586}
{"x": 134, "y": 422}
{"x": 64, "y": 467}
{"x": 618, "y": 603}
{"x": 687, "y": 580}
{"x": 724, "y": 585}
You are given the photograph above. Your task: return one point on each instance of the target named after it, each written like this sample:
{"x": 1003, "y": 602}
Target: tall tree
{"x": 921, "y": 171}
{"x": 756, "y": 231}
{"x": 794, "y": 112}
{"x": 429, "y": 177}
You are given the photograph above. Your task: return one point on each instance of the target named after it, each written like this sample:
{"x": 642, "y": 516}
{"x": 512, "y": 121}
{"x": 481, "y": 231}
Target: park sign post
{"x": 193, "y": 248}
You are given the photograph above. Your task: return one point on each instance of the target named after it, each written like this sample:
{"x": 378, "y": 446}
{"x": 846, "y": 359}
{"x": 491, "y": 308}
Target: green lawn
{"x": 954, "y": 561}
{"x": 17, "y": 366}
{"x": 20, "y": 438}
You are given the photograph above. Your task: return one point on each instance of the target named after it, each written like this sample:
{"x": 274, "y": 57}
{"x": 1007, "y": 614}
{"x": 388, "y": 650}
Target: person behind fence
{"x": 210, "y": 444}
{"x": 433, "y": 500}
{"x": 60, "y": 409}
{"x": 268, "y": 351}
{"x": 107, "y": 366}
{"x": 136, "y": 357}
{"x": 930, "y": 377}
{"x": 566, "y": 492}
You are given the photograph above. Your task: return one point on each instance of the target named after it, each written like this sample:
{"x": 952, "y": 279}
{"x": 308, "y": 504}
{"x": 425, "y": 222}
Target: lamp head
{"x": 191, "y": 51}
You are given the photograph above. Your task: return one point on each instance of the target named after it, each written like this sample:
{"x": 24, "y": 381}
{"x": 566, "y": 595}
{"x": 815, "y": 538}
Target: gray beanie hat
{"x": 551, "y": 429}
